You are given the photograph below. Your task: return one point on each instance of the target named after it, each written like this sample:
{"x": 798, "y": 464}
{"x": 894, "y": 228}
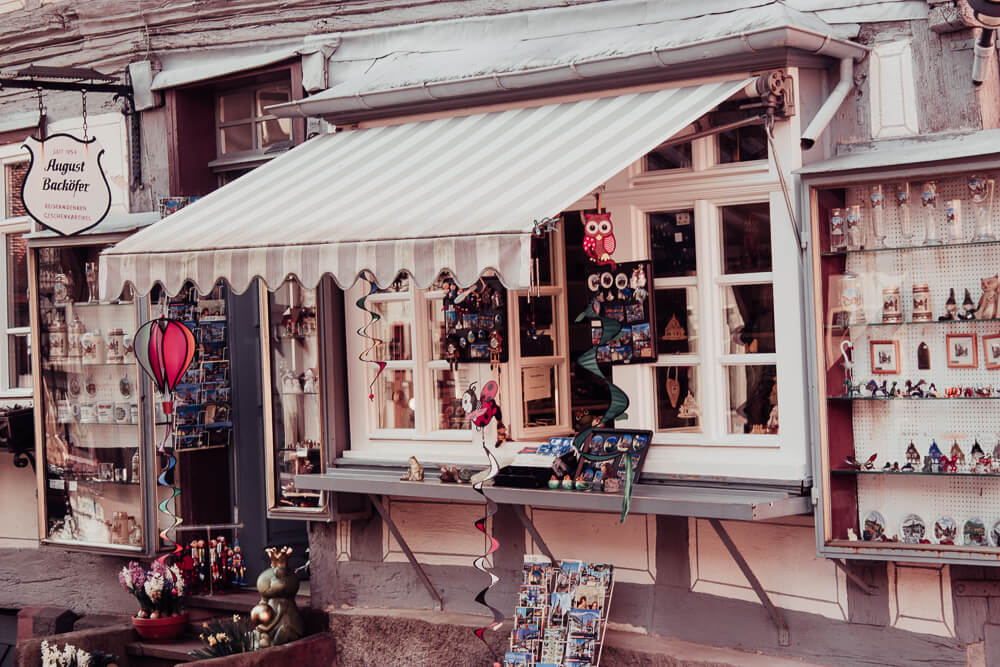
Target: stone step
{"x": 154, "y": 653}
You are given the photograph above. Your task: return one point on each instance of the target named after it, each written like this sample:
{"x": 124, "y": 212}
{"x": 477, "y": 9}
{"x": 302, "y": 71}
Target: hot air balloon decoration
{"x": 164, "y": 348}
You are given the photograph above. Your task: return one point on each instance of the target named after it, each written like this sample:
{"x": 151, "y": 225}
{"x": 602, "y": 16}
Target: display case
{"x": 293, "y": 400}
{"x": 907, "y": 341}
{"x": 94, "y": 479}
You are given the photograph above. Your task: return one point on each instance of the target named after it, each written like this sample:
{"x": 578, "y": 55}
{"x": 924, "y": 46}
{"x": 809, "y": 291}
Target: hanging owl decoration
{"x": 599, "y": 238}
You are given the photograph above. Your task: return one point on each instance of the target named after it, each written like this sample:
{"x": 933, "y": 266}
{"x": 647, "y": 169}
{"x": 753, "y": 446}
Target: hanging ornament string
{"x": 83, "y": 93}
{"x": 164, "y": 348}
{"x": 363, "y": 332}
{"x": 481, "y": 410}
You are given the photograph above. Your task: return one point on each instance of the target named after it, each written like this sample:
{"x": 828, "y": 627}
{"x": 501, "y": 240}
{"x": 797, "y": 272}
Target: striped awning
{"x": 459, "y": 194}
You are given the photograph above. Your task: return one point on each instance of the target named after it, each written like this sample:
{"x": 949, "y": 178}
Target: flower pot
{"x": 170, "y": 627}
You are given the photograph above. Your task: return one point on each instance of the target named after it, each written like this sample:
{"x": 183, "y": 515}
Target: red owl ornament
{"x": 599, "y": 238}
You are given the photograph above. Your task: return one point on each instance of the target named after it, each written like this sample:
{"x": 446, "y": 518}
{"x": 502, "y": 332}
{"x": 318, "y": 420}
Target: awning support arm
{"x": 530, "y": 527}
{"x": 865, "y": 587}
{"x": 428, "y": 584}
{"x": 773, "y": 612}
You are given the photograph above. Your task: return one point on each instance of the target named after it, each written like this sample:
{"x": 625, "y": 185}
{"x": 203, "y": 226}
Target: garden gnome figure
{"x": 276, "y": 619}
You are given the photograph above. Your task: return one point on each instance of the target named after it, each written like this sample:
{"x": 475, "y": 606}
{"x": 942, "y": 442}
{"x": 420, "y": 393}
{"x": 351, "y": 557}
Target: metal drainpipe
{"x": 983, "y": 51}
{"x": 830, "y": 106}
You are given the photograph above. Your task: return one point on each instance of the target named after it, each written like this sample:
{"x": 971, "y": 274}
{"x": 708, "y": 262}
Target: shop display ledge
{"x": 708, "y": 503}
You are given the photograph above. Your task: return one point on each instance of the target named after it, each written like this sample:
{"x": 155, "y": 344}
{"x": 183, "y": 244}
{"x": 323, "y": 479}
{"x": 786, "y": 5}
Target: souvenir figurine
{"x": 950, "y": 308}
{"x": 931, "y": 391}
{"x": 851, "y": 535}
{"x": 934, "y": 451}
{"x": 213, "y": 563}
{"x": 276, "y": 618}
{"x": 553, "y": 482}
{"x": 968, "y": 307}
{"x": 923, "y": 357}
{"x": 310, "y": 383}
{"x": 914, "y": 390}
{"x": 976, "y": 452}
{"x": 449, "y": 474}
{"x": 948, "y": 465}
{"x": 987, "y": 307}
{"x": 928, "y": 465}
{"x": 415, "y": 472}
{"x": 909, "y": 467}
{"x": 895, "y": 466}
{"x": 912, "y": 455}
{"x": 995, "y": 534}
{"x": 974, "y": 532}
{"x": 913, "y": 529}
{"x": 874, "y": 527}
{"x": 567, "y": 483}
{"x": 957, "y": 456}
{"x": 465, "y": 476}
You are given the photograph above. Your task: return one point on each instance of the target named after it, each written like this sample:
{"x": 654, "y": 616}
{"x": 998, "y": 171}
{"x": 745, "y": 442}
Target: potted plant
{"x": 160, "y": 592}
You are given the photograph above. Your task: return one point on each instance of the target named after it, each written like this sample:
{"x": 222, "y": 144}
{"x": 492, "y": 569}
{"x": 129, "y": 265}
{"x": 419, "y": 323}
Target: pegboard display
{"x": 911, "y": 354}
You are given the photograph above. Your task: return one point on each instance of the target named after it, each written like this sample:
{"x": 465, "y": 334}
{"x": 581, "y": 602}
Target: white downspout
{"x": 831, "y": 105}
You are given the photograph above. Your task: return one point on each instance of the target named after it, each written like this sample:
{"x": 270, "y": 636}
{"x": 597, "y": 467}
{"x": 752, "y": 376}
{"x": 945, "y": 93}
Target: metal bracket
{"x": 530, "y": 527}
{"x": 866, "y": 588}
{"x": 773, "y": 612}
{"x": 377, "y": 502}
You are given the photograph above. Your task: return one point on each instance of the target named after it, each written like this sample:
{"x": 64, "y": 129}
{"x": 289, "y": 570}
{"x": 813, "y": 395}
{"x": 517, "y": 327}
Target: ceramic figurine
{"x": 914, "y": 389}
{"x": 957, "y": 456}
{"x": 931, "y": 391}
{"x": 449, "y": 474}
{"x": 944, "y": 464}
{"x": 851, "y": 535}
{"x": 950, "y": 307}
{"x": 977, "y": 451}
{"x": 895, "y": 466}
{"x": 968, "y": 307}
{"x": 909, "y": 467}
{"x": 553, "y": 482}
{"x": 934, "y": 451}
{"x": 912, "y": 455}
{"x": 276, "y": 619}
{"x": 928, "y": 464}
{"x": 987, "y": 307}
{"x": 238, "y": 568}
{"x": 923, "y": 357}
{"x": 310, "y": 383}
{"x": 567, "y": 483}
{"x": 415, "y": 473}
{"x": 465, "y": 475}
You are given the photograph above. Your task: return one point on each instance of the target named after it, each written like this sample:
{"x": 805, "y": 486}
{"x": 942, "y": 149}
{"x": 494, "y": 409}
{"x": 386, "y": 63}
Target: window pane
{"x": 746, "y": 238}
{"x": 20, "y": 362}
{"x": 237, "y": 105}
{"x": 677, "y": 407}
{"x": 677, "y": 320}
{"x": 14, "y": 178}
{"x": 393, "y": 329}
{"x": 437, "y": 340}
{"x": 672, "y": 234}
{"x": 537, "y": 326}
{"x": 677, "y": 156}
{"x": 748, "y": 319}
{"x": 448, "y": 388}
{"x": 394, "y": 399}
{"x": 539, "y": 394}
{"x": 274, "y": 131}
{"x": 17, "y": 281}
{"x": 237, "y": 138}
{"x": 743, "y": 144}
{"x": 272, "y": 95}
{"x": 753, "y": 399}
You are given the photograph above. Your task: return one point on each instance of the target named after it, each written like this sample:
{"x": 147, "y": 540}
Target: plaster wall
{"x": 18, "y": 509}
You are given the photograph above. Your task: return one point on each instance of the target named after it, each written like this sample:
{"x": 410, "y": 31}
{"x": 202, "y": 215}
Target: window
{"x": 15, "y": 350}
{"x": 743, "y": 144}
{"x": 726, "y": 273}
{"x": 243, "y": 124}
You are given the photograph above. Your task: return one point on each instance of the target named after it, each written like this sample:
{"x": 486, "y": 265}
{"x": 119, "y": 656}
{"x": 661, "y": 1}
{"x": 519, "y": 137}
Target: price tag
{"x": 56, "y": 484}
{"x": 302, "y": 452}
{"x": 72, "y": 485}
{"x": 678, "y": 237}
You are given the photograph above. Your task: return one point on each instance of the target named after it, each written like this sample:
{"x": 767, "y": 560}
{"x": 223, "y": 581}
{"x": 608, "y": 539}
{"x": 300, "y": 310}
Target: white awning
{"x": 458, "y": 194}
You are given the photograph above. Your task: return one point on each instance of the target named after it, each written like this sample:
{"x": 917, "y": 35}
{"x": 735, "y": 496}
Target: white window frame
{"x": 8, "y": 226}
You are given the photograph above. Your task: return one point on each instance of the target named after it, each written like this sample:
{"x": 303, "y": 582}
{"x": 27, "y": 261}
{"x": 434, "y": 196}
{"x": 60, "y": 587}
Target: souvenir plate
{"x": 945, "y": 530}
{"x": 995, "y": 534}
{"x": 874, "y": 527}
{"x": 913, "y": 529}
{"x": 974, "y": 532}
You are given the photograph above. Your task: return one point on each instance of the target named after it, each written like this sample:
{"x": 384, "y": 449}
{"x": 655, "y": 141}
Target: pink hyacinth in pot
{"x": 160, "y": 593}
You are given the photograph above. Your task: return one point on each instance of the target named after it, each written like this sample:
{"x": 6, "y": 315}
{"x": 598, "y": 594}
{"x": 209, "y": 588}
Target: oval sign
{"x": 65, "y": 189}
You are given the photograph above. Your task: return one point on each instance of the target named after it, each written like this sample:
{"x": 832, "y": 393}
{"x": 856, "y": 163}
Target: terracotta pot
{"x": 170, "y": 627}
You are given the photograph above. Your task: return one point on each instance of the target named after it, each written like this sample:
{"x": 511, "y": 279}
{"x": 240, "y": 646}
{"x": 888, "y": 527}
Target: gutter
{"x": 825, "y": 113}
{"x": 653, "y": 61}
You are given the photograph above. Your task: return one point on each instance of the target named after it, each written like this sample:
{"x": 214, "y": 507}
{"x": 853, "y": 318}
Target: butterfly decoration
{"x": 482, "y": 408}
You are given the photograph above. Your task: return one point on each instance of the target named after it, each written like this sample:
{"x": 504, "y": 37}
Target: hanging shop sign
{"x": 66, "y": 189}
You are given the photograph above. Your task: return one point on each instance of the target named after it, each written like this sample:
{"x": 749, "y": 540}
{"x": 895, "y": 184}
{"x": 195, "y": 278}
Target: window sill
{"x": 700, "y": 440}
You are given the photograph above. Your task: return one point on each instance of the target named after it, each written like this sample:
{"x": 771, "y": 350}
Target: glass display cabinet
{"x": 293, "y": 400}
{"x": 907, "y": 341}
{"x": 95, "y": 483}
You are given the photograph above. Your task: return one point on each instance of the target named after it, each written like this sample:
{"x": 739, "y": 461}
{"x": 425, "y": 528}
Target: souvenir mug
{"x": 64, "y": 412}
{"x": 903, "y": 205}
{"x": 852, "y": 299}
{"x": 981, "y": 194}
{"x": 953, "y": 220}
{"x": 922, "y": 303}
{"x": 891, "y": 309}
{"x": 121, "y": 413}
{"x": 878, "y": 216}
{"x": 838, "y": 234}
{"x": 855, "y": 229}
{"x": 74, "y": 333}
{"x": 93, "y": 347}
{"x": 57, "y": 340}
{"x": 928, "y": 198}
{"x": 133, "y": 413}
{"x": 105, "y": 413}
{"x": 88, "y": 413}
{"x": 116, "y": 346}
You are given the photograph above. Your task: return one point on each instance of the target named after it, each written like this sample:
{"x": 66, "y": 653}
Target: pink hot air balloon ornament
{"x": 164, "y": 349}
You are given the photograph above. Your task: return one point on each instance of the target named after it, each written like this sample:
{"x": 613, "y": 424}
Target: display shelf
{"x": 62, "y": 363}
{"x": 94, "y": 545}
{"x": 888, "y": 473}
{"x": 906, "y": 546}
{"x": 940, "y": 246}
{"x": 198, "y": 449}
{"x": 928, "y": 399}
{"x": 834, "y": 327}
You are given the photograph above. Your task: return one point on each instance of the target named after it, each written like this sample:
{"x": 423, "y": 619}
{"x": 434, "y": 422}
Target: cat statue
{"x": 987, "y": 308}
